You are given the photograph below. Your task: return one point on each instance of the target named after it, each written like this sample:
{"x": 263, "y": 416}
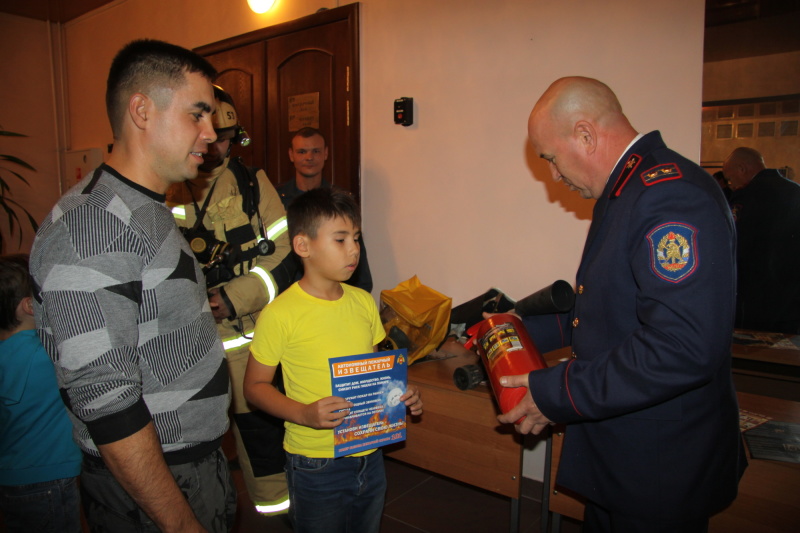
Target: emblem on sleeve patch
{"x": 673, "y": 251}
{"x": 668, "y": 171}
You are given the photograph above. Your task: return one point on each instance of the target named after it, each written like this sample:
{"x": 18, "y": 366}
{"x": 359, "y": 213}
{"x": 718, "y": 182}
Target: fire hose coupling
{"x": 468, "y": 376}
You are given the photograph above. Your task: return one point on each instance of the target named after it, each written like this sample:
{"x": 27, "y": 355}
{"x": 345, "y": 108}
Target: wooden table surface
{"x": 776, "y": 348}
{"x": 458, "y": 434}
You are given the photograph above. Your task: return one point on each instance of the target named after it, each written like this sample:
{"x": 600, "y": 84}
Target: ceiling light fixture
{"x": 260, "y": 6}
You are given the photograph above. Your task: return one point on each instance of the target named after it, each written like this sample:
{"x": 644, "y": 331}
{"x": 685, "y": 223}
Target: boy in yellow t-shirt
{"x": 317, "y": 318}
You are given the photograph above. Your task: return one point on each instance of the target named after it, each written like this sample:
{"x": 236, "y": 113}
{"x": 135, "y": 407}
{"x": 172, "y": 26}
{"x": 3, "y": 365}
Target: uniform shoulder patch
{"x": 673, "y": 251}
{"x": 659, "y": 173}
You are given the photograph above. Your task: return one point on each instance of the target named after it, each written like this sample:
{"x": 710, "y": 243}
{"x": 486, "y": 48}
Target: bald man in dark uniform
{"x": 653, "y": 440}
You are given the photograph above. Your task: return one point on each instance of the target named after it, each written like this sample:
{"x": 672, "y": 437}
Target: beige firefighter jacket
{"x": 250, "y": 291}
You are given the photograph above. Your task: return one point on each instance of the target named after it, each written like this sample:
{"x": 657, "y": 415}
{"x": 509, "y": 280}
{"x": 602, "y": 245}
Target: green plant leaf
{"x": 9, "y": 205}
{"x": 16, "y": 174}
{"x": 17, "y": 160}
{"x": 12, "y": 218}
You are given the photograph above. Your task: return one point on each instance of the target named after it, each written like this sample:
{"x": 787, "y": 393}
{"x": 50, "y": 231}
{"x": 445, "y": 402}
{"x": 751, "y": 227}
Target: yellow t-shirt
{"x": 301, "y": 333}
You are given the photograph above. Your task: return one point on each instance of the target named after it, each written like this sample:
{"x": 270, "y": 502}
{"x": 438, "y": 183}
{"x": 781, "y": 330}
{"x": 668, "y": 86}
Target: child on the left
{"x": 39, "y": 461}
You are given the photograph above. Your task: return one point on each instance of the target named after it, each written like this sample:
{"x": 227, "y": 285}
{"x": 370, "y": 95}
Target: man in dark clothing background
{"x": 308, "y": 153}
{"x": 766, "y": 207}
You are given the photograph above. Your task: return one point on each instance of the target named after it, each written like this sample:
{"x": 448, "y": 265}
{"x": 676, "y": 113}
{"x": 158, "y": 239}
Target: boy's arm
{"x": 325, "y": 413}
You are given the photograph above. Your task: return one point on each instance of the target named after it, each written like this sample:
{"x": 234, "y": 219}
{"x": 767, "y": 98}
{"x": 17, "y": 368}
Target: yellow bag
{"x": 415, "y": 317}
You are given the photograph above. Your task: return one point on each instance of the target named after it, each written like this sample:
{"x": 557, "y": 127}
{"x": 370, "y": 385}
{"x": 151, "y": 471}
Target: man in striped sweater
{"x": 122, "y": 310}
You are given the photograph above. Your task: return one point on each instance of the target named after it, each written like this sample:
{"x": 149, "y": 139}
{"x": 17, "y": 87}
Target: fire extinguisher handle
{"x": 472, "y": 333}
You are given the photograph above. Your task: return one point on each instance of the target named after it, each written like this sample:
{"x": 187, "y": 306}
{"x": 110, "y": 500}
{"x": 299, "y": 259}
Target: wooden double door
{"x": 291, "y": 75}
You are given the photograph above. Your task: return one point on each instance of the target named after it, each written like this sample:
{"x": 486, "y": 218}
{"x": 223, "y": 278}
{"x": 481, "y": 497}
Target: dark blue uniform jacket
{"x": 648, "y": 393}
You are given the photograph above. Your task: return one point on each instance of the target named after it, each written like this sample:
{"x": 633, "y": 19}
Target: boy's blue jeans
{"x": 46, "y": 507}
{"x": 342, "y": 495}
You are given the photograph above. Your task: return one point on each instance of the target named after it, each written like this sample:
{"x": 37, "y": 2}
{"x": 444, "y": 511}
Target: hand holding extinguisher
{"x": 526, "y": 416}
{"x": 509, "y": 355}
{"x": 506, "y": 350}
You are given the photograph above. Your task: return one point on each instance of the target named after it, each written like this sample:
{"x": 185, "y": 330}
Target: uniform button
{"x": 575, "y": 322}
{"x": 574, "y": 355}
{"x": 580, "y": 289}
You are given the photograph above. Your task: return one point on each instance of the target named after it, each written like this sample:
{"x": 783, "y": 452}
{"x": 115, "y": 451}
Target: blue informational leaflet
{"x": 373, "y": 382}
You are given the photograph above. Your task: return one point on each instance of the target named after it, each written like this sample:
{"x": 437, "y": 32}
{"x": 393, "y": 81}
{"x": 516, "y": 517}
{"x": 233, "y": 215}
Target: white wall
{"x": 457, "y": 198}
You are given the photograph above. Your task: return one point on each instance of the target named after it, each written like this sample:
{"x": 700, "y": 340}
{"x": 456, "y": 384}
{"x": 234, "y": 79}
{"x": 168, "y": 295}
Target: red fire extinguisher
{"x": 506, "y": 350}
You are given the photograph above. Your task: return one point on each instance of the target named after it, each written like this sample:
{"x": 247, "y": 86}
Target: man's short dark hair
{"x": 309, "y": 210}
{"x": 306, "y": 133}
{"x": 15, "y": 284}
{"x": 145, "y": 65}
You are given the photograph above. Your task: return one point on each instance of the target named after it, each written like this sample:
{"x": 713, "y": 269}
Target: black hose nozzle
{"x": 556, "y": 298}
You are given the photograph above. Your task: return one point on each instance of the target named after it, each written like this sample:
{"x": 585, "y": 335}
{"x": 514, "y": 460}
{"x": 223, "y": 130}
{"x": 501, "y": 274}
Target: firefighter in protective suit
{"x": 236, "y": 225}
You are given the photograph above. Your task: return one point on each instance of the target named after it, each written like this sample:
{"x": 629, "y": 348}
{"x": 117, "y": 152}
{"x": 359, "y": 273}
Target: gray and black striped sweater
{"x": 123, "y": 312}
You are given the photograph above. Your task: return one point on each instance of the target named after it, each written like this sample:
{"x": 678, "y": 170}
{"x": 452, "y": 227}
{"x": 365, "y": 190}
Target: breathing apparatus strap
{"x": 200, "y": 213}
{"x": 247, "y": 181}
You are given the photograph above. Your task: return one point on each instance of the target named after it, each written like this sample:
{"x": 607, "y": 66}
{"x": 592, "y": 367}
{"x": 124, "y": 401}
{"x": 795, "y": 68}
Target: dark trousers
{"x": 46, "y": 507}
{"x": 206, "y": 484}
{"x": 597, "y": 519}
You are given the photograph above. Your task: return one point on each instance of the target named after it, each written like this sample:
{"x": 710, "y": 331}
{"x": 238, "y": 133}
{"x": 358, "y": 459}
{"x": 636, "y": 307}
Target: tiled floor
{"x": 420, "y": 502}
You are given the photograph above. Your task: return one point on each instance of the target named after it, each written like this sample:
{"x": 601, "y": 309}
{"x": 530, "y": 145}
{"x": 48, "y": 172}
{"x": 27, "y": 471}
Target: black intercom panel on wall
{"x": 404, "y": 111}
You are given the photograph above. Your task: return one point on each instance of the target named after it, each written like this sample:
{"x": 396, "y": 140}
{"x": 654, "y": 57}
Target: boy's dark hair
{"x": 15, "y": 284}
{"x": 144, "y": 66}
{"x": 309, "y": 210}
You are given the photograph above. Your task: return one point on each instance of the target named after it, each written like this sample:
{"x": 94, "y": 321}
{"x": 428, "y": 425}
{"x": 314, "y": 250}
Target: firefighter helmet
{"x": 226, "y": 118}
